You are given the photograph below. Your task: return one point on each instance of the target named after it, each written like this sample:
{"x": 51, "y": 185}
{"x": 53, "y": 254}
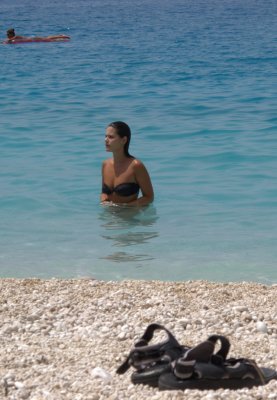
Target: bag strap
{"x": 142, "y": 353}
{"x": 204, "y": 352}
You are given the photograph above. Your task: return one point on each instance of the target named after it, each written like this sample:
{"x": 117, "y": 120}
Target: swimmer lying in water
{"x": 11, "y": 35}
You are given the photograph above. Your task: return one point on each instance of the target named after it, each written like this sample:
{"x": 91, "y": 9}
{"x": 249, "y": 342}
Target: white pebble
{"x": 261, "y": 327}
{"x": 122, "y": 336}
{"x": 18, "y": 385}
{"x": 240, "y": 308}
{"x": 183, "y": 322}
{"x": 100, "y": 373}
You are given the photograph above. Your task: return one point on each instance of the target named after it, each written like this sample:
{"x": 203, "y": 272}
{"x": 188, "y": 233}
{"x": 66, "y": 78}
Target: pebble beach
{"x": 64, "y": 339}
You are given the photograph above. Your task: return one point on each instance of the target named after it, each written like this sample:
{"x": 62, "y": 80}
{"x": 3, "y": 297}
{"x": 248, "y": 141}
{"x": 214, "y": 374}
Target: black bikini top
{"x": 123, "y": 189}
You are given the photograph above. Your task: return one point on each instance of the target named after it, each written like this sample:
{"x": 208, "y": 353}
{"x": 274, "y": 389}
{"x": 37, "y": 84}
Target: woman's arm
{"x": 103, "y": 197}
{"x": 144, "y": 181}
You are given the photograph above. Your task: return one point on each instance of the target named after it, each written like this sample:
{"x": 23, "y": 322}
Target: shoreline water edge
{"x": 65, "y": 338}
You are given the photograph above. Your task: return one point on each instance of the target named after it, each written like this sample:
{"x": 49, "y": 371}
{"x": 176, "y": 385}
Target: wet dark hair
{"x": 122, "y": 129}
{"x": 11, "y": 32}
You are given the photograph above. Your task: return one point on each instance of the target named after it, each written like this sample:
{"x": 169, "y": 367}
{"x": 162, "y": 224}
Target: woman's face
{"x": 113, "y": 141}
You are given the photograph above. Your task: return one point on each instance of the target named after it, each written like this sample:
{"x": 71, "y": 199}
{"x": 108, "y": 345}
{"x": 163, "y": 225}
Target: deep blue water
{"x": 196, "y": 81}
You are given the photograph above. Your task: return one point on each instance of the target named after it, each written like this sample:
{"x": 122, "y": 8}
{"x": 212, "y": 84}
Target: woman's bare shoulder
{"x": 138, "y": 164}
{"x": 106, "y": 162}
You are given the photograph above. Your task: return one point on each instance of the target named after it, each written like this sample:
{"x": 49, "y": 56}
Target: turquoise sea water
{"x": 196, "y": 81}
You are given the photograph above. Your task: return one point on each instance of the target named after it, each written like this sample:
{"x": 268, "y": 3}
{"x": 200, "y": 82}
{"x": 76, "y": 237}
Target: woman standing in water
{"x": 123, "y": 176}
